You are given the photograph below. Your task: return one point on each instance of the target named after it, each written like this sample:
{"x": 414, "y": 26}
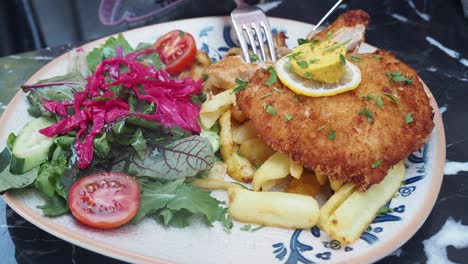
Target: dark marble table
{"x": 431, "y": 36}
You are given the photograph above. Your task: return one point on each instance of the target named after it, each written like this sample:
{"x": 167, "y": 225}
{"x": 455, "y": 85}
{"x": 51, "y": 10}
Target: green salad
{"x": 117, "y": 139}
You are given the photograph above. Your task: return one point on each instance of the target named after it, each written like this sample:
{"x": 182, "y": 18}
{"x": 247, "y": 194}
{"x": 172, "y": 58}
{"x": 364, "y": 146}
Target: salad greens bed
{"x": 116, "y": 126}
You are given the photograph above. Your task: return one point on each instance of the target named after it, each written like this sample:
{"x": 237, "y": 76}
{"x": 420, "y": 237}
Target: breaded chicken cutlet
{"x": 349, "y": 136}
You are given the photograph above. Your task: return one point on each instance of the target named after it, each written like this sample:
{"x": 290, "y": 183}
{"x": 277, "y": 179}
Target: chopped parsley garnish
{"x": 294, "y": 55}
{"x": 378, "y": 101}
{"x": 273, "y": 76}
{"x": 227, "y": 223}
{"x": 315, "y": 41}
{"x": 287, "y": 117}
{"x": 308, "y": 75}
{"x": 198, "y": 98}
{"x": 181, "y": 33}
{"x": 296, "y": 98}
{"x": 205, "y": 77}
{"x": 250, "y": 228}
{"x": 277, "y": 90}
{"x": 241, "y": 185}
{"x": 392, "y": 98}
{"x": 312, "y": 46}
{"x": 368, "y": 97}
{"x": 303, "y": 64}
{"x": 215, "y": 128}
{"x": 265, "y": 95}
{"x": 376, "y": 164}
{"x": 241, "y": 84}
{"x": 384, "y": 210}
{"x": 342, "y": 59}
{"x": 313, "y": 60}
{"x": 368, "y": 113}
{"x": 330, "y": 33}
{"x": 377, "y": 56}
{"x": 356, "y": 58}
{"x": 301, "y": 41}
{"x": 339, "y": 45}
{"x": 331, "y": 133}
{"x": 270, "y": 110}
{"x": 402, "y": 79}
{"x": 398, "y": 77}
{"x": 408, "y": 118}
{"x": 246, "y": 228}
{"x": 254, "y": 58}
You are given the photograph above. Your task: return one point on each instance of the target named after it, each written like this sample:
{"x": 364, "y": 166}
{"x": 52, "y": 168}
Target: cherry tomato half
{"x": 177, "y": 50}
{"x": 104, "y": 200}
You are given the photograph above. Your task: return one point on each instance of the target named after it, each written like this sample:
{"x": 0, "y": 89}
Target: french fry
{"x": 296, "y": 169}
{"x": 307, "y": 184}
{"x": 274, "y": 168}
{"x": 354, "y": 215}
{"x": 238, "y": 115}
{"x": 256, "y": 150}
{"x": 202, "y": 61}
{"x": 335, "y": 184}
{"x": 212, "y": 109}
{"x": 322, "y": 178}
{"x": 268, "y": 185}
{"x": 218, "y": 171}
{"x": 244, "y": 132}
{"x": 333, "y": 202}
{"x": 239, "y": 168}
{"x": 225, "y": 135}
{"x": 234, "y": 52}
{"x": 273, "y": 208}
{"x": 214, "y": 184}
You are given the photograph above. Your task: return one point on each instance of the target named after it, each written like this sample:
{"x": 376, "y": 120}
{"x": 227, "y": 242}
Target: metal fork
{"x": 252, "y": 22}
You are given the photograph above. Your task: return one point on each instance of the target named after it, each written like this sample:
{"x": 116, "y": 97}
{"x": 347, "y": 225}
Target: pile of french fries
{"x": 345, "y": 214}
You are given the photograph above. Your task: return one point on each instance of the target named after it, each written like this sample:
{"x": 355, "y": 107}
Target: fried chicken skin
{"x": 223, "y": 73}
{"x": 355, "y": 136}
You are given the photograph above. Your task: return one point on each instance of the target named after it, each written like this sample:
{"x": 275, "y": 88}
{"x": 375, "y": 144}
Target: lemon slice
{"x": 309, "y": 87}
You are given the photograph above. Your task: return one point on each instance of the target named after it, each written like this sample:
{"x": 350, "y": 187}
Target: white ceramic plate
{"x": 150, "y": 243}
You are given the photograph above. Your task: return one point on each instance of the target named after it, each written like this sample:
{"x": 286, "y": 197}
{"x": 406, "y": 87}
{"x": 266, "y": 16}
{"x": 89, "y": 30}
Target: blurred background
{"x": 34, "y": 24}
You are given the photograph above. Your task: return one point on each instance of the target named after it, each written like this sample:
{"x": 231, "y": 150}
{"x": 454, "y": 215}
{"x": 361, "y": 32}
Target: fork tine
{"x": 259, "y": 34}
{"x": 269, "y": 38}
{"x": 254, "y": 22}
{"x": 251, "y": 38}
{"x": 240, "y": 36}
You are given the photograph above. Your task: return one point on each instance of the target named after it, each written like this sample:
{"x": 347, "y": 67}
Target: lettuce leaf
{"x": 49, "y": 178}
{"x": 54, "y": 206}
{"x": 9, "y": 181}
{"x": 107, "y": 50}
{"x": 173, "y": 202}
{"x": 59, "y": 88}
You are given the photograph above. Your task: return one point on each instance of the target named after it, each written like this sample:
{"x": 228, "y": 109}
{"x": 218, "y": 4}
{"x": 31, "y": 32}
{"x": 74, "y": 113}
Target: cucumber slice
{"x": 31, "y": 148}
